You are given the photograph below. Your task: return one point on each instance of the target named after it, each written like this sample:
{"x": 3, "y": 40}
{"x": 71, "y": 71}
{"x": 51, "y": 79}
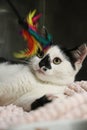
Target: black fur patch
{"x": 45, "y": 62}
{"x": 67, "y": 53}
{"x": 40, "y": 102}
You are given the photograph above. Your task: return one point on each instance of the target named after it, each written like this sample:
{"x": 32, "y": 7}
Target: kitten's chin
{"x": 41, "y": 76}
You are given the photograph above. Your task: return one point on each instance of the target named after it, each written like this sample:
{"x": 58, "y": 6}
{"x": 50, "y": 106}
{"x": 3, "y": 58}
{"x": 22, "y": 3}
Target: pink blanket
{"x": 73, "y": 107}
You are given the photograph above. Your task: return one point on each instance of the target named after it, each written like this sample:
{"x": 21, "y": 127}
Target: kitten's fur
{"x": 22, "y": 84}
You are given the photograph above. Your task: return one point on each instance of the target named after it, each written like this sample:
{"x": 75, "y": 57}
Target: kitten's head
{"x": 58, "y": 66}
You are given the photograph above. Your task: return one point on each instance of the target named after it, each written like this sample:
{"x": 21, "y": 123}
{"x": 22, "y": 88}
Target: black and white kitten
{"x": 48, "y": 73}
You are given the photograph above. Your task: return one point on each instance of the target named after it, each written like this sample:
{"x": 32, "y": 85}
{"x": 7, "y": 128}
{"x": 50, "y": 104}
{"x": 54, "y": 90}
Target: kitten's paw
{"x": 51, "y": 96}
{"x": 42, "y": 101}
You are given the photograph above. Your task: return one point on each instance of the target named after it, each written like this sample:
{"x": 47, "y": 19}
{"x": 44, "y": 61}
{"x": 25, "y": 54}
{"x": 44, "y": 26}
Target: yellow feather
{"x": 30, "y": 16}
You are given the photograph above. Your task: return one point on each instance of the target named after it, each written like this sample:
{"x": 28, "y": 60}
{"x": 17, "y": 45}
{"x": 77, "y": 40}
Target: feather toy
{"x": 32, "y": 47}
{"x": 32, "y": 43}
{"x": 34, "y": 39}
{"x": 31, "y": 34}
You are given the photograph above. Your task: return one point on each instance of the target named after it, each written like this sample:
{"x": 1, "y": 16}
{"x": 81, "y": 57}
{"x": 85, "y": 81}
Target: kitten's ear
{"x": 80, "y": 53}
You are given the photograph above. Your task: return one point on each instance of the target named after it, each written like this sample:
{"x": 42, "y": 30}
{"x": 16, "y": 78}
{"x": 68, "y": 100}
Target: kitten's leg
{"x": 25, "y": 101}
{"x": 28, "y": 102}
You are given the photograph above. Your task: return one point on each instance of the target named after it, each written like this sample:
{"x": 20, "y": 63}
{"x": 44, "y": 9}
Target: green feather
{"x": 45, "y": 42}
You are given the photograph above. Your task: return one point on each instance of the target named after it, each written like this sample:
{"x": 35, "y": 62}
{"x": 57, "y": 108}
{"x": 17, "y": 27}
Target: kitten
{"x": 44, "y": 74}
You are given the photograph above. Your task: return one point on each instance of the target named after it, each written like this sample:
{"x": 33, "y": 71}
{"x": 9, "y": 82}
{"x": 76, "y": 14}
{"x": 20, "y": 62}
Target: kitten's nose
{"x": 44, "y": 68}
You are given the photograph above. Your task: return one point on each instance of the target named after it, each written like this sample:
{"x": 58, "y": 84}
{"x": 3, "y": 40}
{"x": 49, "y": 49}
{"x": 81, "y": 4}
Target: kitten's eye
{"x": 57, "y": 60}
{"x": 40, "y": 54}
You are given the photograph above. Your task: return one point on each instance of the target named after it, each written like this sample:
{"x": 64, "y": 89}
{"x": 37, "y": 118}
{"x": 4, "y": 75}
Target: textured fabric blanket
{"x": 73, "y": 107}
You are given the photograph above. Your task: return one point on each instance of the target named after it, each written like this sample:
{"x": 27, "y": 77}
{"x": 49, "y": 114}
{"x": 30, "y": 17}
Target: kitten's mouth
{"x": 40, "y": 71}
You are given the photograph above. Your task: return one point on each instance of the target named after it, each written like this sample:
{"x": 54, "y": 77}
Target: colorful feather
{"x": 43, "y": 41}
{"x": 33, "y": 37}
{"x": 32, "y": 46}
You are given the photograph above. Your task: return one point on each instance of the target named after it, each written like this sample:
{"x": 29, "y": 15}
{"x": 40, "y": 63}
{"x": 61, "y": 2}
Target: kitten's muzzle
{"x": 45, "y": 63}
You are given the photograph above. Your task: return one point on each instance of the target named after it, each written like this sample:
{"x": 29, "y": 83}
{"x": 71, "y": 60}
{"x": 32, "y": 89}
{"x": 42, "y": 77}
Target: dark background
{"x": 66, "y": 20}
